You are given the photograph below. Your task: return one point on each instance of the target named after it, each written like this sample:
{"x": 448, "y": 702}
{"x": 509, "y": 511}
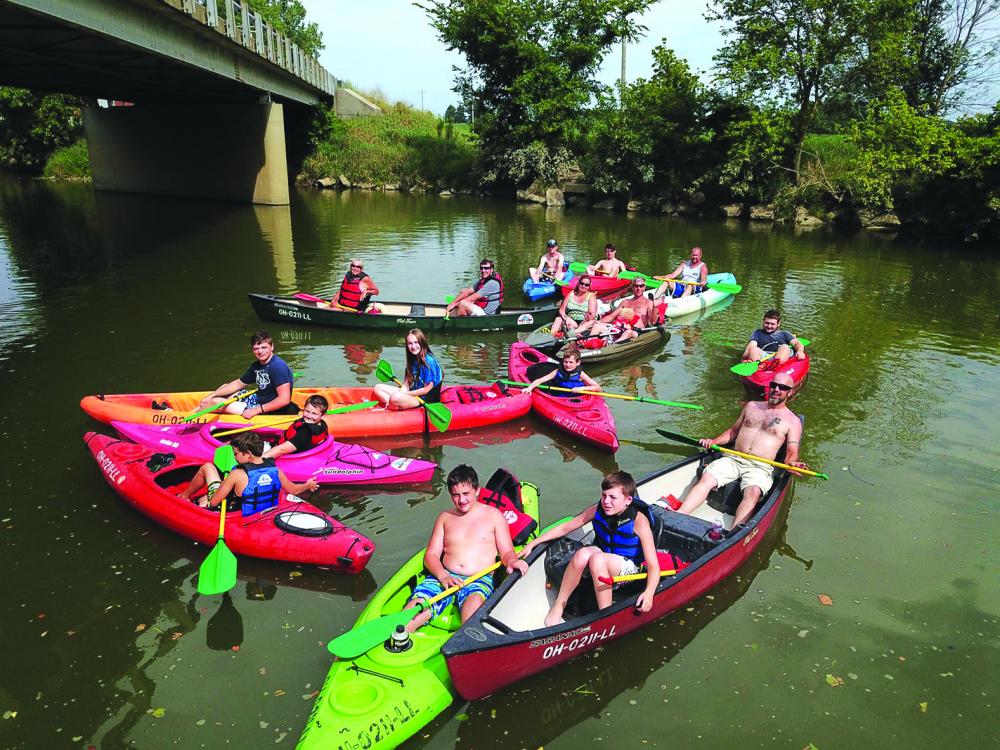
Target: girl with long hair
{"x": 423, "y": 376}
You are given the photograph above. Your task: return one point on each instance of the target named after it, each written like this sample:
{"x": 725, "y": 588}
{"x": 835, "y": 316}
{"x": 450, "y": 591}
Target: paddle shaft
{"x": 349, "y": 407}
{"x": 609, "y": 395}
{"x": 692, "y": 441}
{"x": 235, "y": 397}
{"x": 633, "y": 577}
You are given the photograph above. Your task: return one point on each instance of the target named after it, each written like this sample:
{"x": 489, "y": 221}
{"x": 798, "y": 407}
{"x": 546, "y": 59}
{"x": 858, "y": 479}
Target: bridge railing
{"x": 245, "y": 26}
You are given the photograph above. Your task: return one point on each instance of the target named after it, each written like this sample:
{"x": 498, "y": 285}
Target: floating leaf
{"x": 278, "y": 693}
{"x": 295, "y": 574}
{"x": 9, "y": 714}
{"x": 923, "y": 707}
{"x": 462, "y": 717}
{"x": 825, "y": 600}
{"x": 833, "y": 680}
{"x": 140, "y": 627}
{"x": 158, "y": 713}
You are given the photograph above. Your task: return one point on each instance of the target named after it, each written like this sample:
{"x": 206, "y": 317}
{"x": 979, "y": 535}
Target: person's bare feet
{"x": 555, "y": 615}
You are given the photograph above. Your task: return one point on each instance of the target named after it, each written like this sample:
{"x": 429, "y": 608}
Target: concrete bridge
{"x": 209, "y": 85}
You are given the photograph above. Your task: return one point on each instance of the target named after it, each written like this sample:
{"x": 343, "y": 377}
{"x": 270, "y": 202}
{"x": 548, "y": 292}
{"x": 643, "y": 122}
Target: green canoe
{"x": 381, "y": 698}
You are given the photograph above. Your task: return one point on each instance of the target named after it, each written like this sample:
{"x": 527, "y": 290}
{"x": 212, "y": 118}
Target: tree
{"x": 798, "y": 52}
{"x": 531, "y": 73}
{"x": 32, "y": 126}
{"x": 289, "y": 17}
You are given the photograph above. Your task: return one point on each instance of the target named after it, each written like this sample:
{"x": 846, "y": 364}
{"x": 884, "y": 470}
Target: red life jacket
{"x": 350, "y": 290}
{"x": 486, "y": 300}
{"x": 317, "y": 433}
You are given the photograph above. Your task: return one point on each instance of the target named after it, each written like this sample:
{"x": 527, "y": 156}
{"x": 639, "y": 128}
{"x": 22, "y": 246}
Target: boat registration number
{"x": 380, "y": 729}
{"x": 577, "y": 643}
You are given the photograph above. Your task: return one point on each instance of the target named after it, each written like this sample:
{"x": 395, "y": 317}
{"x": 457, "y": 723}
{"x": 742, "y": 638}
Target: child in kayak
{"x": 623, "y": 540}
{"x": 255, "y": 480}
{"x": 423, "y": 376}
{"x": 567, "y": 375}
{"x": 465, "y": 539}
{"x": 306, "y": 432}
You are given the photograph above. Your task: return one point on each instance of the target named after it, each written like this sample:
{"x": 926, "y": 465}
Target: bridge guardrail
{"x": 245, "y": 26}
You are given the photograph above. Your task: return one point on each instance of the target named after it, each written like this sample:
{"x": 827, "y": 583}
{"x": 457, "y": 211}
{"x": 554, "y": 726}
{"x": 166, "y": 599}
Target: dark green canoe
{"x": 649, "y": 339}
{"x": 399, "y": 316}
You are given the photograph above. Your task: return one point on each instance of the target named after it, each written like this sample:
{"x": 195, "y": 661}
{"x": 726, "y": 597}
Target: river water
{"x": 105, "y": 642}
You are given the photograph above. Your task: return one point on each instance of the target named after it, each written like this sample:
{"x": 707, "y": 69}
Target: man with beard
{"x": 762, "y": 428}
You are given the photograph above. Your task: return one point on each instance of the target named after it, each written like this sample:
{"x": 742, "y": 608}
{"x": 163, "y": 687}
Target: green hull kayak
{"x": 382, "y": 698}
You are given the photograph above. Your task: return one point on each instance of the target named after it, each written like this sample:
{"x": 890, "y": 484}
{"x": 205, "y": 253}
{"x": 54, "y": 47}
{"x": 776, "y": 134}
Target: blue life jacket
{"x": 565, "y": 379}
{"x": 616, "y": 534}
{"x": 262, "y": 488}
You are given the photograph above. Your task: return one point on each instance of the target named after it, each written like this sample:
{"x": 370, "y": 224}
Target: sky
{"x": 390, "y": 45}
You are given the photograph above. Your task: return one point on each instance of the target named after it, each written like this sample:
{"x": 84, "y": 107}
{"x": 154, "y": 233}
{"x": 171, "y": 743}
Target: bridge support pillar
{"x": 225, "y": 151}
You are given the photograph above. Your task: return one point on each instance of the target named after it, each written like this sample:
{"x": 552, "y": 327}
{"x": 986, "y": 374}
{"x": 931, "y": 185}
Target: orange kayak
{"x": 470, "y": 405}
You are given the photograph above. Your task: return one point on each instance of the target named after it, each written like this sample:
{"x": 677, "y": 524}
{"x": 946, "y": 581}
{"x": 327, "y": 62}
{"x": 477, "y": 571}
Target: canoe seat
{"x": 685, "y": 536}
{"x": 449, "y": 620}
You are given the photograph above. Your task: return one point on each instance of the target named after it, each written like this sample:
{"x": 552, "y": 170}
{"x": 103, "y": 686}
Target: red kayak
{"x": 757, "y": 384}
{"x": 602, "y": 286}
{"x": 292, "y": 531}
{"x": 587, "y": 417}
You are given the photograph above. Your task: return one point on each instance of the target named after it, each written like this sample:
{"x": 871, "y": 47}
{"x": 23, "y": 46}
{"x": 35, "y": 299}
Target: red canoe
{"x": 756, "y": 384}
{"x": 291, "y": 531}
{"x": 587, "y": 417}
{"x": 506, "y": 640}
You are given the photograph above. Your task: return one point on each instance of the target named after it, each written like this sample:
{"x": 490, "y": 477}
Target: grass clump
{"x": 69, "y": 162}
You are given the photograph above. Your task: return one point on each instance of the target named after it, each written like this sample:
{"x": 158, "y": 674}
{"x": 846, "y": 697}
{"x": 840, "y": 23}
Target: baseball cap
{"x": 552, "y": 243}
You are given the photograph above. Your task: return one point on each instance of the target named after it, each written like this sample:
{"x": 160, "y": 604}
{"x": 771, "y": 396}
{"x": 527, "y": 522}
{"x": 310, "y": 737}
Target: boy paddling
{"x": 465, "y": 539}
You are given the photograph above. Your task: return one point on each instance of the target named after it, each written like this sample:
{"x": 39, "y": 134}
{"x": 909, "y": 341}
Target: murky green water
{"x": 105, "y": 642}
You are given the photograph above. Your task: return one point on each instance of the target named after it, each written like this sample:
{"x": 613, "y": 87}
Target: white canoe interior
{"x": 528, "y": 601}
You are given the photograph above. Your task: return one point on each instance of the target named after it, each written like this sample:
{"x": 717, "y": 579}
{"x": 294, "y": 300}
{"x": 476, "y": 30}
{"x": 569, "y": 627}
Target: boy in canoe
{"x": 569, "y": 374}
{"x": 255, "y": 480}
{"x": 762, "y": 428}
{"x": 465, "y": 539}
{"x": 768, "y": 340}
{"x": 550, "y": 265}
{"x": 306, "y": 432}
{"x": 269, "y": 374}
{"x": 623, "y": 541}
{"x": 610, "y": 266}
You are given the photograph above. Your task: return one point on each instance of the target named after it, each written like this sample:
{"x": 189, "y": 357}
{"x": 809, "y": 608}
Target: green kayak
{"x": 381, "y": 698}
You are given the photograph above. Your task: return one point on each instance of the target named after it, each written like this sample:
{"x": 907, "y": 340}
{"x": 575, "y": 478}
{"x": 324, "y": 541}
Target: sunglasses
{"x": 582, "y": 284}
{"x": 356, "y": 265}
{"x": 781, "y": 387}
{"x": 486, "y": 268}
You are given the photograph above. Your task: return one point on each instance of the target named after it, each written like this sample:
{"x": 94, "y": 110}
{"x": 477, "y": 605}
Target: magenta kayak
{"x": 587, "y": 417}
{"x": 328, "y": 463}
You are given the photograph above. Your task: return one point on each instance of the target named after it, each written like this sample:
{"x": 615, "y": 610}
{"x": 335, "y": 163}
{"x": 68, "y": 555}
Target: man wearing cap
{"x": 610, "y": 267}
{"x": 550, "y": 265}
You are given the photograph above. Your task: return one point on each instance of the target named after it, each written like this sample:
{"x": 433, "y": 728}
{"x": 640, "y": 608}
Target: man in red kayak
{"x": 762, "y": 428}
{"x": 356, "y": 289}
{"x": 550, "y": 265}
{"x": 255, "y": 481}
{"x": 768, "y": 340}
{"x": 306, "y": 432}
{"x": 465, "y": 539}
{"x": 623, "y": 540}
{"x": 610, "y": 266}
{"x": 269, "y": 375}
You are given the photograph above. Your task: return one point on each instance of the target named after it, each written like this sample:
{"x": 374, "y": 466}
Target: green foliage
{"x": 531, "y": 73}
{"x": 289, "y": 17}
{"x": 754, "y": 140}
{"x": 32, "y": 126}
{"x": 69, "y": 162}
{"x": 402, "y": 146}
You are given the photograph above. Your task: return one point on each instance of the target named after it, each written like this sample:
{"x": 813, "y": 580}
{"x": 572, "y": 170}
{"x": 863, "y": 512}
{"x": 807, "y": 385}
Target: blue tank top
{"x": 263, "y": 487}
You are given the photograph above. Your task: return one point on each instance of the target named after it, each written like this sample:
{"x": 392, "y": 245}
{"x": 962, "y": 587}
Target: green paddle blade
{"x": 218, "y": 573}
{"x": 357, "y": 641}
{"x": 661, "y": 402}
{"x": 383, "y": 371}
{"x": 439, "y": 415}
{"x": 803, "y": 341}
{"x": 679, "y": 437}
{"x": 224, "y": 458}
{"x": 744, "y": 369}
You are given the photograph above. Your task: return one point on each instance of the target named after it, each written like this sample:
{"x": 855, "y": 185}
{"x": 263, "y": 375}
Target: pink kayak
{"x": 328, "y": 463}
{"x": 587, "y": 417}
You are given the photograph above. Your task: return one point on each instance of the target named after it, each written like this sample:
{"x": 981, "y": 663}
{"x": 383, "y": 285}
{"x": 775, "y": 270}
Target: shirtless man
{"x": 465, "y": 539}
{"x": 610, "y": 266}
{"x": 550, "y": 265}
{"x": 692, "y": 270}
{"x": 637, "y": 311}
{"x": 768, "y": 340}
{"x": 761, "y": 429}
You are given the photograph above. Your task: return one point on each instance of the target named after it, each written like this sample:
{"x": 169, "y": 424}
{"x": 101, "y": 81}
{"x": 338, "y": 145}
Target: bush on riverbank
{"x": 69, "y": 163}
{"x": 404, "y": 146}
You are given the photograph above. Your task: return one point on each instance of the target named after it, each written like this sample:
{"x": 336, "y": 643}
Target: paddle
{"x": 439, "y": 414}
{"x": 235, "y": 397}
{"x": 719, "y": 286}
{"x": 363, "y": 637}
{"x": 218, "y": 573}
{"x": 341, "y": 410}
{"x": 604, "y": 394}
{"x": 633, "y": 577}
{"x": 448, "y": 300}
{"x": 749, "y": 368}
{"x": 693, "y": 441}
